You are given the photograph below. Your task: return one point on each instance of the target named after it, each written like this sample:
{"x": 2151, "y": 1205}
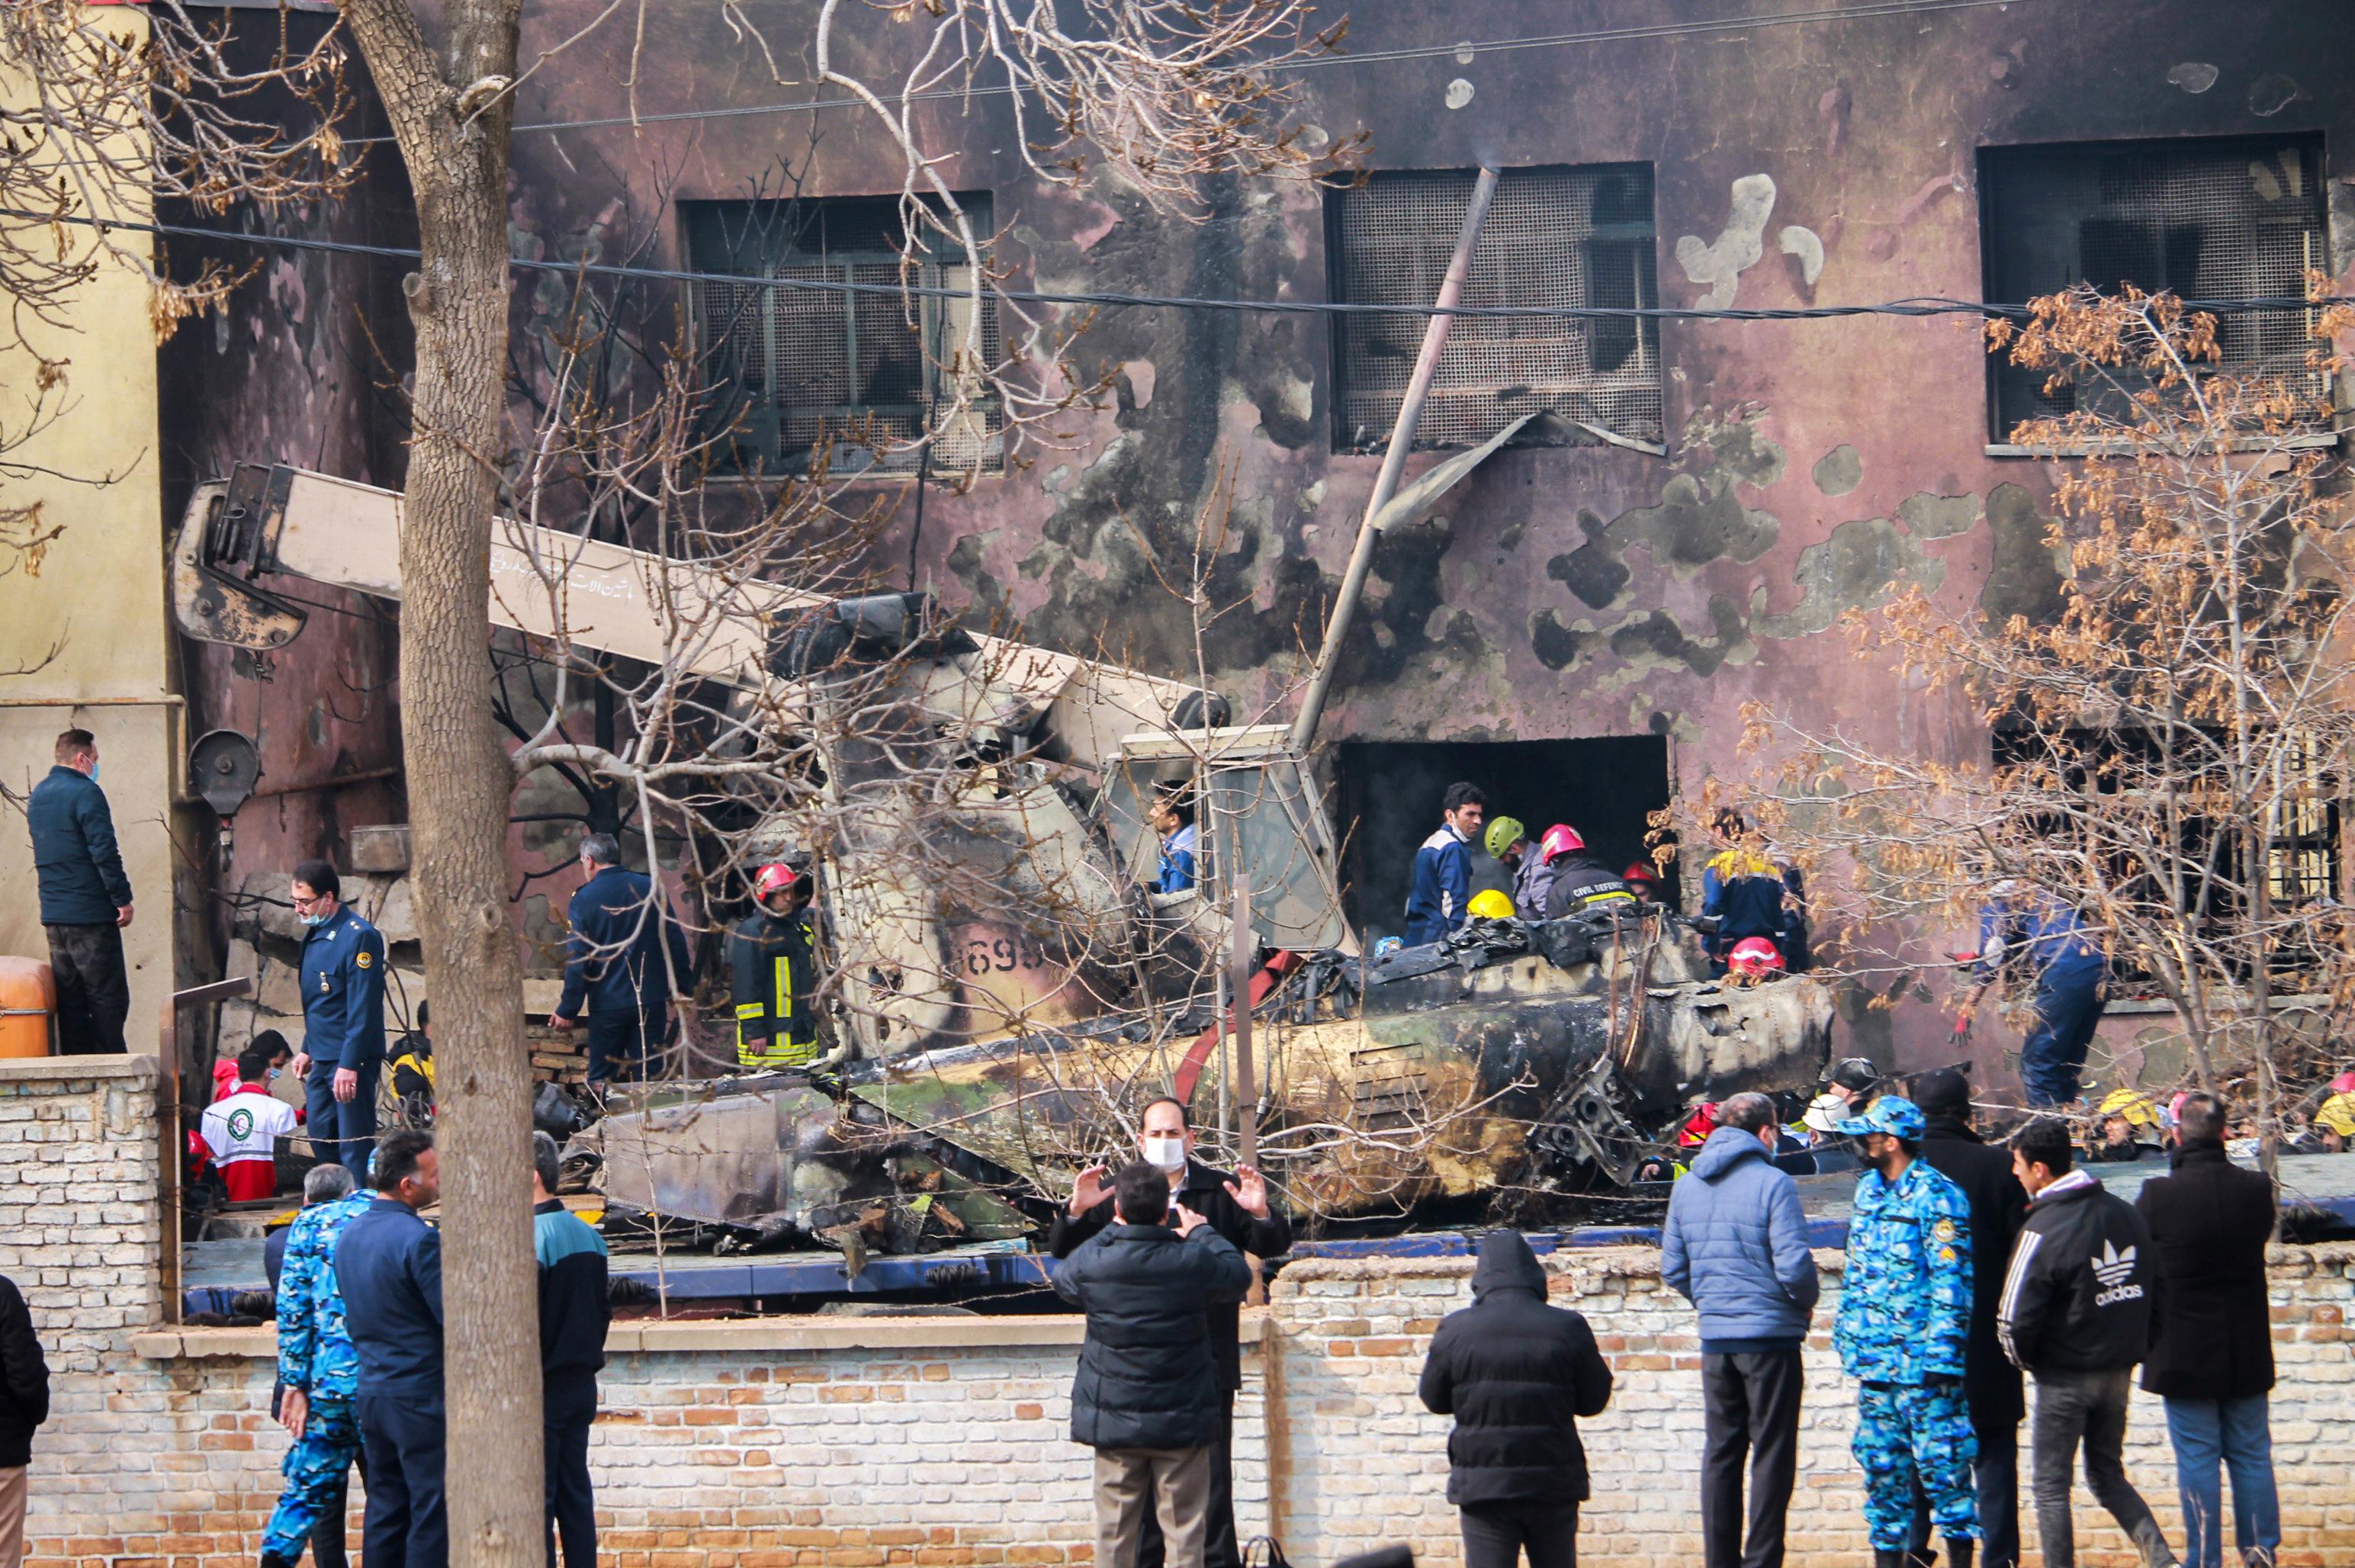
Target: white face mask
{"x": 1165, "y": 1153}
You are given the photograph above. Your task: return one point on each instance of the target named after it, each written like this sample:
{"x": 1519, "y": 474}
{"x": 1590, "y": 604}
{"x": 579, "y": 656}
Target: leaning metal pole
{"x": 1410, "y": 414}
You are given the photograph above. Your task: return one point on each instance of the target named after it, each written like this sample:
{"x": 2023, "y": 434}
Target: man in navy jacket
{"x": 1736, "y": 1247}
{"x": 573, "y": 1317}
{"x": 388, "y": 1267}
{"x": 85, "y": 899}
{"x": 343, "y": 1016}
{"x": 1442, "y": 889}
{"x": 625, "y": 951}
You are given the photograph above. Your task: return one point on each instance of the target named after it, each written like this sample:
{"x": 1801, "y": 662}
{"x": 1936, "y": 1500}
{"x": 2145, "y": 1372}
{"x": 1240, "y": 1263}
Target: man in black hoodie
{"x": 1990, "y": 1382}
{"x": 2079, "y": 1307}
{"x": 24, "y": 1405}
{"x": 1515, "y": 1373}
{"x": 1146, "y": 1396}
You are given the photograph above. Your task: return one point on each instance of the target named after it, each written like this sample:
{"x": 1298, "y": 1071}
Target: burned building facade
{"x": 1578, "y": 624}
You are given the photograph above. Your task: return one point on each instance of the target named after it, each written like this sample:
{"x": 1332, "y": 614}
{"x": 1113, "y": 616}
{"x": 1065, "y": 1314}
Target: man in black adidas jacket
{"x": 2080, "y": 1309}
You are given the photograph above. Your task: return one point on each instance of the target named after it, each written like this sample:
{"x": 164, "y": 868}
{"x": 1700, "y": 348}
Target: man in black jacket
{"x": 1237, "y": 1210}
{"x": 85, "y": 899}
{"x": 626, "y": 958}
{"x": 24, "y": 1405}
{"x": 1990, "y": 1382}
{"x": 2213, "y": 1360}
{"x": 389, "y": 1269}
{"x": 1515, "y": 1373}
{"x": 2080, "y": 1303}
{"x": 1146, "y": 1397}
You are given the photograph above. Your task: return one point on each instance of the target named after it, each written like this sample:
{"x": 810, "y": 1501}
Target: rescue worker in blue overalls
{"x": 2071, "y": 977}
{"x": 774, "y": 969}
{"x": 342, "y": 972}
{"x": 1902, "y": 1331}
{"x": 320, "y": 1370}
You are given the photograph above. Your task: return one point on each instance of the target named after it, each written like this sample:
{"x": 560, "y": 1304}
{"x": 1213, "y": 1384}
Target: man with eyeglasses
{"x": 342, "y": 974}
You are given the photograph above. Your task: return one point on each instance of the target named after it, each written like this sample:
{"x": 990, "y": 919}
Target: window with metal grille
{"x": 2227, "y": 218}
{"x": 1555, "y": 237}
{"x": 868, "y": 370}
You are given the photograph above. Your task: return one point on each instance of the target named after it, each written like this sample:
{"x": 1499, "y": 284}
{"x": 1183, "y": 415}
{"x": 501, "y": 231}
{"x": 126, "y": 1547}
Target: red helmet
{"x": 779, "y": 878}
{"x": 2344, "y": 1084}
{"x": 1699, "y": 1125}
{"x": 1639, "y": 871}
{"x": 1560, "y": 839}
{"x": 1754, "y": 958}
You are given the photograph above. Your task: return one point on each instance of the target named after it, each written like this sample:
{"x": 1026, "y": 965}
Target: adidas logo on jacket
{"x": 2080, "y": 1295}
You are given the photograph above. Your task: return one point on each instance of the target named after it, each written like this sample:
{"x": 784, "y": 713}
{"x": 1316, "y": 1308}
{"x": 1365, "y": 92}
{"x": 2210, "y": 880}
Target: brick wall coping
{"x": 1590, "y": 1265}
{"x": 64, "y": 1068}
{"x": 757, "y": 1334}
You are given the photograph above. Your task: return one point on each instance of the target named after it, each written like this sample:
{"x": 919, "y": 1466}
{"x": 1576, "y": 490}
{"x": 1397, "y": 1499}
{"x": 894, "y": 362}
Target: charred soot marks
{"x": 1661, "y": 724}
{"x": 2022, "y": 576}
{"x": 1656, "y": 638}
{"x": 1839, "y": 471}
{"x": 1855, "y": 569}
{"x": 1558, "y": 647}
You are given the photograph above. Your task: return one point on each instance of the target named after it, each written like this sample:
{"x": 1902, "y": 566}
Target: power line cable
{"x": 1471, "y": 47}
{"x": 1920, "y": 305}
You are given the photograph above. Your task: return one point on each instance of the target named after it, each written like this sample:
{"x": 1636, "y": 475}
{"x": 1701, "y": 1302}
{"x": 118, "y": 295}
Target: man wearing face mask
{"x": 1903, "y": 1334}
{"x": 1237, "y": 1210}
{"x": 343, "y": 1016}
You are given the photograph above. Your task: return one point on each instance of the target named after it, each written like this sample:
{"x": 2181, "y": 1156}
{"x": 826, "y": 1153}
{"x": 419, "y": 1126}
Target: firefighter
{"x": 775, "y": 969}
{"x": 1581, "y": 881}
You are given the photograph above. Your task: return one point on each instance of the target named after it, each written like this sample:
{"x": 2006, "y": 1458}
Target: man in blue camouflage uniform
{"x": 1904, "y": 1319}
{"x": 321, "y": 1372}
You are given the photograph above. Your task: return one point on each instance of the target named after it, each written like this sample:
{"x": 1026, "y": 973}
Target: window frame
{"x": 1991, "y": 159}
{"x": 707, "y": 225}
{"x": 1645, "y": 339}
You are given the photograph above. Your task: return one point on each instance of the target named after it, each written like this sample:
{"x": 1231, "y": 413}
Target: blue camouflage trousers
{"x": 1908, "y": 1435}
{"x": 317, "y": 1469}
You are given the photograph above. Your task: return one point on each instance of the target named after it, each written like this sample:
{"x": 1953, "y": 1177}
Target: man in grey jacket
{"x": 1736, "y": 1247}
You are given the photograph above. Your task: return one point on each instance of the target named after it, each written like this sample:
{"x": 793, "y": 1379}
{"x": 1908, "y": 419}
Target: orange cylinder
{"x": 28, "y": 995}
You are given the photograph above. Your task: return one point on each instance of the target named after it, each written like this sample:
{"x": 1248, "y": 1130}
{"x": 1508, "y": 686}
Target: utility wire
{"x": 1870, "y": 10}
{"x": 1920, "y": 305}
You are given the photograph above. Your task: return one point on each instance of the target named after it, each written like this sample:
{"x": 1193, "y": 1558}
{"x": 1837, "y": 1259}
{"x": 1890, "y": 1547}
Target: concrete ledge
{"x": 133, "y": 1068}
{"x": 650, "y": 1336}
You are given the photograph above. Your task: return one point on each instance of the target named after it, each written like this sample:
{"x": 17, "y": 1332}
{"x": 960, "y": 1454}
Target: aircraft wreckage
{"x": 1543, "y": 1058}
{"x": 1004, "y": 1004}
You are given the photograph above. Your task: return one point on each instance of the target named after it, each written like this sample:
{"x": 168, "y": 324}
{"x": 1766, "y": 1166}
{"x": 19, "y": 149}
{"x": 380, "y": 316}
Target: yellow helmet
{"x": 2135, "y": 1107}
{"x": 1490, "y": 904}
{"x": 2337, "y": 1113}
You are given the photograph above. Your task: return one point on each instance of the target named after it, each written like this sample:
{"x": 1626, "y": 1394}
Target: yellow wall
{"x": 98, "y": 598}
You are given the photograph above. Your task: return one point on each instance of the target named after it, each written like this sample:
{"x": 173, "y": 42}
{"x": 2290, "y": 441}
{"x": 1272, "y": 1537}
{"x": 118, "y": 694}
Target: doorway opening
{"x": 1388, "y": 794}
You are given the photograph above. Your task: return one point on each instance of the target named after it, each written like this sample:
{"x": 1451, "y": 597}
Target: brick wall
{"x": 867, "y": 1443}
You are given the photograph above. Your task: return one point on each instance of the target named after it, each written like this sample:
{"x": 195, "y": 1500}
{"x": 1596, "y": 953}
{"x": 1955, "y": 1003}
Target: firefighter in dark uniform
{"x": 342, "y": 1018}
{"x": 774, "y": 971}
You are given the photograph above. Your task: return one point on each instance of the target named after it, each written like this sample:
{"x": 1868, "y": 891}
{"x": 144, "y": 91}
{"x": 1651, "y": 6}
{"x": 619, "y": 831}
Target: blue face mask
{"x": 315, "y": 919}
{"x": 93, "y": 772}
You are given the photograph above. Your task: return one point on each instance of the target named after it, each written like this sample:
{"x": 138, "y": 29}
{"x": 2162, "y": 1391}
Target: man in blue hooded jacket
{"x": 1736, "y": 1247}
{"x": 2071, "y": 972}
{"x": 1903, "y": 1333}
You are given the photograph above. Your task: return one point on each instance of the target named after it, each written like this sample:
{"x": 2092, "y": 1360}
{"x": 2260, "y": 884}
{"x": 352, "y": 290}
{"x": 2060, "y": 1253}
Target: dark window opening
{"x": 1389, "y": 792}
{"x": 868, "y": 370}
{"x": 2235, "y": 218}
{"x": 2212, "y": 861}
{"x": 1555, "y": 237}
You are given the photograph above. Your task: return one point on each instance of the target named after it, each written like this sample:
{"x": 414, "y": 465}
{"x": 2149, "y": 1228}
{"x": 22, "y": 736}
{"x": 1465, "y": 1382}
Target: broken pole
{"x": 1410, "y": 414}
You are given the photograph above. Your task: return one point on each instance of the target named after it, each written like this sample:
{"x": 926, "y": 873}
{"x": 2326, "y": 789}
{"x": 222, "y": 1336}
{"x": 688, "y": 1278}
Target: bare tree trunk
{"x": 452, "y": 132}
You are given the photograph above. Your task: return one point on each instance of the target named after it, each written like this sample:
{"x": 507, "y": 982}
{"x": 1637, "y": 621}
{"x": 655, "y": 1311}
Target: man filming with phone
{"x": 1237, "y": 1208}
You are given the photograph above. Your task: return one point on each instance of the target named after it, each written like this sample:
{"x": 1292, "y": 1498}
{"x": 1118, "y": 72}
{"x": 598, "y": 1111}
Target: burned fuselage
{"x": 1513, "y": 1057}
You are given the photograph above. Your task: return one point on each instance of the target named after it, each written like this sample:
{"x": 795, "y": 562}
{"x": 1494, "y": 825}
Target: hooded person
{"x": 1516, "y": 1374}
{"x": 1735, "y": 1245}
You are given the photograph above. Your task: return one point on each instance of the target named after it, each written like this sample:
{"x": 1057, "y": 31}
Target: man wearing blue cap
{"x": 1902, "y": 1331}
